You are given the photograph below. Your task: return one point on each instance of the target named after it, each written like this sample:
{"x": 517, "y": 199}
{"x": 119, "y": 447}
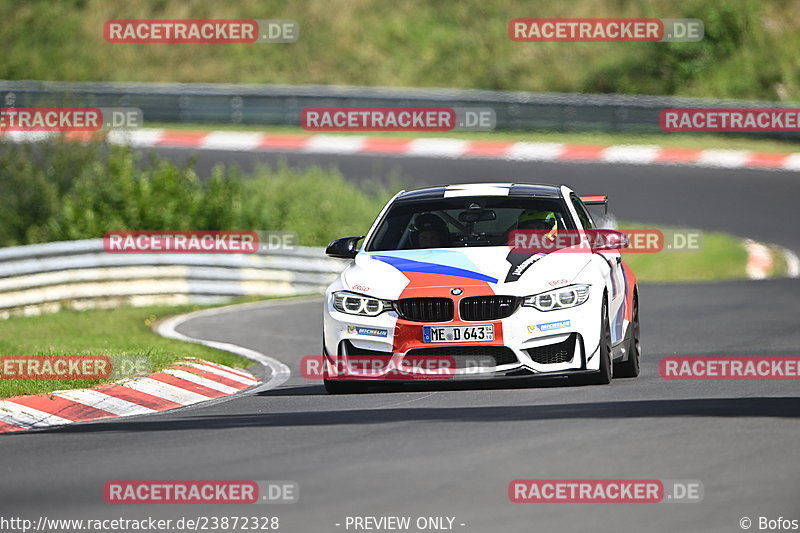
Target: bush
{"x": 675, "y": 68}
{"x": 56, "y": 191}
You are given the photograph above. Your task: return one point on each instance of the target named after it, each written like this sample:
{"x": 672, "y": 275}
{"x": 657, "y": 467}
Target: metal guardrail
{"x": 282, "y": 104}
{"x": 81, "y": 274}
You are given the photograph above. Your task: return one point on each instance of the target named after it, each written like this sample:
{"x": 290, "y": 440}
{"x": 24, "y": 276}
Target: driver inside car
{"x": 533, "y": 219}
{"x": 431, "y": 232}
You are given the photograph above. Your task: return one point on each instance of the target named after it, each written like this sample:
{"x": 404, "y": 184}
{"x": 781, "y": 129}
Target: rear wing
{"x": 596, "y": 200}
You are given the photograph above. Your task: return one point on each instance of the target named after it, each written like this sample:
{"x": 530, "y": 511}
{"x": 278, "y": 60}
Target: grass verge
{"x": 721, "y": 257}
{"x": 122, "y": 331}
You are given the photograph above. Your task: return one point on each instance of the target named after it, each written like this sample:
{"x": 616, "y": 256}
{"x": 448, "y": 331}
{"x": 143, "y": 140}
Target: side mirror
{"x": 344, "y": 248}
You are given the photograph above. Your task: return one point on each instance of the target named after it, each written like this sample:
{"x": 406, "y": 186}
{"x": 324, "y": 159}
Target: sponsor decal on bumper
{"x": 369, "y": 332}
{"x": 549, "y": 326}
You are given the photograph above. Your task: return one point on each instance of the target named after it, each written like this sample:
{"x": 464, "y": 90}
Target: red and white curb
{"x": 761, "y": 260}
{"x": 438, "y": 148}
{"x": 792, "y": 263}
{"x": 185, "y": 383}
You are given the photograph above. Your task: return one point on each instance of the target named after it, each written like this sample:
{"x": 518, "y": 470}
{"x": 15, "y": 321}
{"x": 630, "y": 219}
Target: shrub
{"x": 56, "y": 190}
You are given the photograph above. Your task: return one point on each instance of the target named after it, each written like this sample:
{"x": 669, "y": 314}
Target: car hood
{"x": 479, "y": 270}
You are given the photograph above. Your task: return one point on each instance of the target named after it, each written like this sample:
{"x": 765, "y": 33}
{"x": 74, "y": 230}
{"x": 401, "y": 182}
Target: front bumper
{"x": 529, "y": 343}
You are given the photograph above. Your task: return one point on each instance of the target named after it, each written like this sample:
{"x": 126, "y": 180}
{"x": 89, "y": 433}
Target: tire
{"x": 606, "y": 373}
{"x": 630, "y": 368}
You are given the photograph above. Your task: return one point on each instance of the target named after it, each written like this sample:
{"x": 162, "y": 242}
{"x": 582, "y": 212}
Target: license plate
{"x": 479, "y": 333}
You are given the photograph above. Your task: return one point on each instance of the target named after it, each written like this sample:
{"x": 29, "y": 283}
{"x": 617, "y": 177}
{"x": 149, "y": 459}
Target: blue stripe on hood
{"x": 409, "y": 265}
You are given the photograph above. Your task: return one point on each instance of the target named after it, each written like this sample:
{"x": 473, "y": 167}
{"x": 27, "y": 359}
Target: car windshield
{"x": 465, "y": 221}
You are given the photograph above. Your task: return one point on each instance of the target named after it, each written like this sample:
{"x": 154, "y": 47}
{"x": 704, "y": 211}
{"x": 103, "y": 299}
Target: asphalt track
{"x": 453, "y": 452}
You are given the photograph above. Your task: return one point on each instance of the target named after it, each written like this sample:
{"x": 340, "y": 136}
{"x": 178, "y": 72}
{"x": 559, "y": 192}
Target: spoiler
{"x": 596, "y": 200}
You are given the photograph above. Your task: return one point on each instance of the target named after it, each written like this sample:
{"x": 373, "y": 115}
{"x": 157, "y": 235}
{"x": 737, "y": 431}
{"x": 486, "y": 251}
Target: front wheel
{"x": 630, "y": 368}
{"x": 606, "y": 373}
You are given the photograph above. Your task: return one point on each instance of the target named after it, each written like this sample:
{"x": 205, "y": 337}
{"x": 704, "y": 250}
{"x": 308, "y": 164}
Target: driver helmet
{"x": 536, "y": 219}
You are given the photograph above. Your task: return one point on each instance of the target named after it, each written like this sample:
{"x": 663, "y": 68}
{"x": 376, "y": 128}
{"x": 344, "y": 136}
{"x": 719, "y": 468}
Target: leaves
{"x": 57, "y": 190}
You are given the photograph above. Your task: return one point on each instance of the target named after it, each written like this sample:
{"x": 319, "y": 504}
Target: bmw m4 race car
{"x": 439, "y": 277}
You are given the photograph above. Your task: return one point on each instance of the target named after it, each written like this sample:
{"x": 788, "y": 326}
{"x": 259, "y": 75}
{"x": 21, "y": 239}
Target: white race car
{"x": 438, "y": 278}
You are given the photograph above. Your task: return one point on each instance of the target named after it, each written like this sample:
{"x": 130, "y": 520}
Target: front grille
{"x": 554, "y": 353}
{"x": 425, "y": 309}
{"x": 476, "y": 308}
{"x": 502, "y": 355}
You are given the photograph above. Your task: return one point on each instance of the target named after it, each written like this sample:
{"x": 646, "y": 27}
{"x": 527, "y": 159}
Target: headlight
{"x": 558, "y": 298}
{"x": 356, "y": 304}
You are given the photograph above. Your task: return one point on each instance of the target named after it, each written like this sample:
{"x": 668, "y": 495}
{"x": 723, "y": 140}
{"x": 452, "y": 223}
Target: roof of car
{"x": 482, "y": 189}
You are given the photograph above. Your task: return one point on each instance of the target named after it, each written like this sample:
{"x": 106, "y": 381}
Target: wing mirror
{"x": 344, "y": 248}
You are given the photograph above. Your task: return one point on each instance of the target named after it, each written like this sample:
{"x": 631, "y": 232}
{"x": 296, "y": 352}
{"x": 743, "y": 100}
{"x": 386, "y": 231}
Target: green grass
{"x": 721, "y": 257}
{"x": 676, "y": 140}
{"x": 749, "y": 50}
{"x": 122, "y": 331}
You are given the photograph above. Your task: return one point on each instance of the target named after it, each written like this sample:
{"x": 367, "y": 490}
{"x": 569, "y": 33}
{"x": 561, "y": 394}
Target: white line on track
{"x": 279, "y": 371}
